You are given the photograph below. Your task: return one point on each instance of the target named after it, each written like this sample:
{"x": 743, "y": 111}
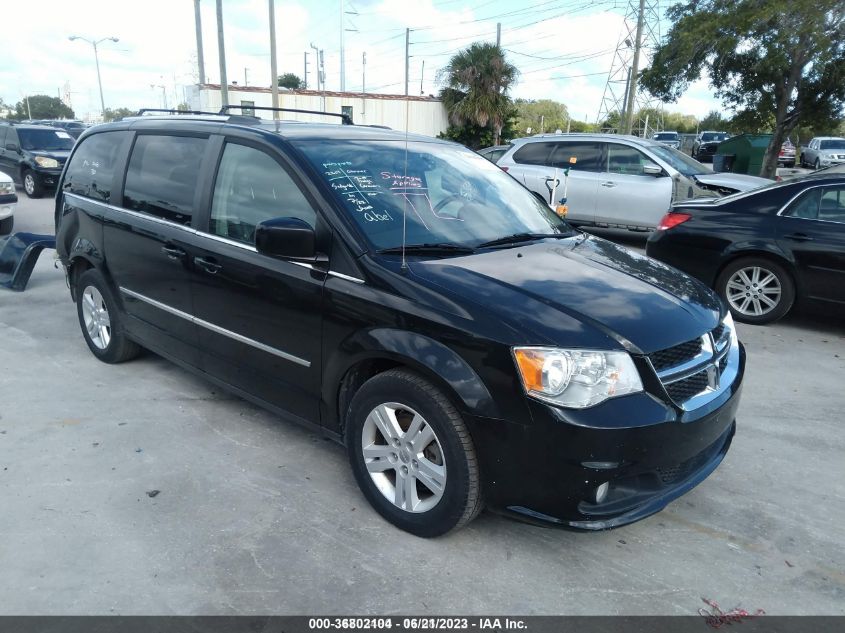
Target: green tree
{"x": 475, "y": 87}
{"x": 477, "y": 137}
{"x": 42, "y": 107}
{"x": 291, "y": 81}
{"x": 543, "y": 115}
{"x": 115, "y": 114}
{"x": 582, "y": 126}
{"x": 783, "y": 59}
{"x": 714, "y": 121}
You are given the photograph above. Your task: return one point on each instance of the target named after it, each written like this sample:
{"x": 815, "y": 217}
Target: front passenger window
{"x": 625, "y": 160}
{"x": 806, "y": 206}
{"x": 252, "y": 187}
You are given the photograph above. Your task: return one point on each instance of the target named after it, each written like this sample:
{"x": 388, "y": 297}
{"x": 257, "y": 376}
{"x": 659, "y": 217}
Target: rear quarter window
{"x": 162, "y": 176}
{"x": 90, "y": 172}
{"x": 534, "y": 153}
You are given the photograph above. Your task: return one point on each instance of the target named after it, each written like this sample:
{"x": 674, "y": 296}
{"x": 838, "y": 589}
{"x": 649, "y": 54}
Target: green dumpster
{"x": 746, "y": 153}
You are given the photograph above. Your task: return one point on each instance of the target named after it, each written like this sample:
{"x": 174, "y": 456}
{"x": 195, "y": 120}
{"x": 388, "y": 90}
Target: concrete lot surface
{"x": 254, "y": 515}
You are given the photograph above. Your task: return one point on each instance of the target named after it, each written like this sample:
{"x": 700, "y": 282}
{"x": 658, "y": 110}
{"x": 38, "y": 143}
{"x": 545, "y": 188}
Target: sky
{"x": 563, "y": 49}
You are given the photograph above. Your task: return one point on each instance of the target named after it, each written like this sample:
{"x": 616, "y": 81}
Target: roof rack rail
{"x": 143, "y": 111}
{"x": 347, "y": 120}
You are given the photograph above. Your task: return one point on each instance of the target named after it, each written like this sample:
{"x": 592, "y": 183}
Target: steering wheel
{"x": 447, "y": 200}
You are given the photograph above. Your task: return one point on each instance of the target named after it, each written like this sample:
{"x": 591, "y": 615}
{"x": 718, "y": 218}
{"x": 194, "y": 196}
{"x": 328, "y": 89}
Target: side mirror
{"x": 12, "y": 147}
{"x": 650, "y": 169}
{"x": 286, "y": 237}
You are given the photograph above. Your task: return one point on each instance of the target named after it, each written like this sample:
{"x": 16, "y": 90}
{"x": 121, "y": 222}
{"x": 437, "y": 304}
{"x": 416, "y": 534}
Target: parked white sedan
{"x": 8, "y": 202}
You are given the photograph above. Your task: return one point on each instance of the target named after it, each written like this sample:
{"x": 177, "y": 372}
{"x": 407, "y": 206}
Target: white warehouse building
{"x": 424, "y": 115}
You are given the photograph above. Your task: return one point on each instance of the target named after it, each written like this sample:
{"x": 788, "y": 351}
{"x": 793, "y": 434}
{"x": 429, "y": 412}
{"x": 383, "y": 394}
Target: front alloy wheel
{"x": 31, "y": 185}
{"x": 404, "y": 457}
{"x": 757, "y": 290}
{"x": 412, "y": 454}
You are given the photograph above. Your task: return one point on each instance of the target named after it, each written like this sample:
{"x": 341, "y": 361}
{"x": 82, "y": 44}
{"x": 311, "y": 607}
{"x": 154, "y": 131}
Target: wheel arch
{"x": 379, "y": 350}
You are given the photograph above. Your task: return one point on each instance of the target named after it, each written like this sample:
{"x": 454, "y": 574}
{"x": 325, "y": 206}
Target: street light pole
{"x": 94, "y": 43}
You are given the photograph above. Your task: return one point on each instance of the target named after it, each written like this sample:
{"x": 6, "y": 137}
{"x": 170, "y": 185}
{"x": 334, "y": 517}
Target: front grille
{"x": 718, "y": 331}
{"x": 723, "y": 364}
{"x": 685, "y": 389}
{"x": 675, "y": 355}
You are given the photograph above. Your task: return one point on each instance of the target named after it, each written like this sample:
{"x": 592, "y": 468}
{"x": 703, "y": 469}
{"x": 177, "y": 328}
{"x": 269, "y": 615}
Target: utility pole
{"x": 200, "y": 57}
{"x": 221, "y": 51}
{"x": 364, "y": 71}
{"x": 246, "y": 80}
{"x": 498, "y": 34}
{"x": 635, "y": 69}
{"x": 94, "y": 43}
{"x": 305, "y": 71}
{"x": 422, "y": 74}
{"x": 407, "y": 57}
{"x": 342, "y": 55}
{"x": 317, "y": 62}
{"x": 274, "y": 77}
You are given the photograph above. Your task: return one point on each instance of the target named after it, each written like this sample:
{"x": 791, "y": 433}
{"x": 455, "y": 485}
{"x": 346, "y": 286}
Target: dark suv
{"x": 408, "y": 298}
{"x": 33, "y": 155}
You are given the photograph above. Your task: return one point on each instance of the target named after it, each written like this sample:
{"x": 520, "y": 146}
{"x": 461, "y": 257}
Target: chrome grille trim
{"x": 718, "y": 360}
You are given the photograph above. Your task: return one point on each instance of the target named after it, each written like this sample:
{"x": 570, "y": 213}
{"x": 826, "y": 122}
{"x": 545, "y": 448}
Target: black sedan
{"x": 762, "y": 250}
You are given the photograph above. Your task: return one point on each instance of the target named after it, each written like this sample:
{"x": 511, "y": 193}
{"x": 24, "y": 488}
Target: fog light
{"x": 601, "y": 492}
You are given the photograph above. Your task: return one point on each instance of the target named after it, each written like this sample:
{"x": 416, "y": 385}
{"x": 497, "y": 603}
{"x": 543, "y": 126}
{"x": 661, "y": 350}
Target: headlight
{"x": 576, "y": 378}
{"x": 49, "y": 163}
{"x": 6, "y": 188}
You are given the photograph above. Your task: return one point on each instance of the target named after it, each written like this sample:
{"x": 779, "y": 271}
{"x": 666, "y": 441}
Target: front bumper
{"x": 7, "y": 205}
{"x": 648, "y": 452}
{"x": 49, "y": 178}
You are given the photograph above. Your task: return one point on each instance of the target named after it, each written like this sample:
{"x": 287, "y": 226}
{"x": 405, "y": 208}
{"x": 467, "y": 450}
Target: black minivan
{"x": 409, "y": 299}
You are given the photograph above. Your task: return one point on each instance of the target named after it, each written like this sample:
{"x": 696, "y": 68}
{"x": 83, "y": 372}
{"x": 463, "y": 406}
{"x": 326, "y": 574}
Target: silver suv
{"x": 824, "y": 151}
{"x": 616, "y": 181}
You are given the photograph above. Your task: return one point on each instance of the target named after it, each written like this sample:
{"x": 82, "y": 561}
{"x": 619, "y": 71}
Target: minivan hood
{"x": 581, "y": 290}
{"x": 740, "y": 182}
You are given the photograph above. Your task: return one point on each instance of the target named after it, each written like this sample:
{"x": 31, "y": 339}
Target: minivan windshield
{"x": 680, "y": 161}
{"x": 447, "y": 194}
{"x": 46, "y": 139}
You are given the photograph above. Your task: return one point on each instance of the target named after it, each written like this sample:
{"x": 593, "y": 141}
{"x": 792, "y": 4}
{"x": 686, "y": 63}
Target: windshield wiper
{"x": 435, "y": 249}
{"x": 521, "y": 237}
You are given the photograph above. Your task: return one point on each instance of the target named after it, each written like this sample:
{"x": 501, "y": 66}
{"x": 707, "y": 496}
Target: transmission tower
{"x": 615, "y": 96}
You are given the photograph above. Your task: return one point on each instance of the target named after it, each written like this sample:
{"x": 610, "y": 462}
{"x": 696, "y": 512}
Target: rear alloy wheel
{"x": 412, "y": 454}
{"x": 100, "y": 320}
{"x": 31, "y": 185}
{"x": 757, "y": 290}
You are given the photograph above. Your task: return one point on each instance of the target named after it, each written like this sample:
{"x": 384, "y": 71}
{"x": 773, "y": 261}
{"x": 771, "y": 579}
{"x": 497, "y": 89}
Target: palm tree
{"x": 475, "y": 86}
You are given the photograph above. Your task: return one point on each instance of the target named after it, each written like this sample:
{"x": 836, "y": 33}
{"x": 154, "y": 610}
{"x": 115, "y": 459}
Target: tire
{"x": 403, "y": 405}
{"x": 7, "y": 225}
{"x": 31, "y": 185}
{"x": 751, "y": 304}
{"x": 101, "y": 320}
{"x": 817, "y": 165}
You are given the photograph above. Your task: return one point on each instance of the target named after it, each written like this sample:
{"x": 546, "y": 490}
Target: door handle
{"x": 799, "y": 237}
{"x": 173, "y": 252}
{"x": 609, "y": 184}
{"x": 208, "y": 265}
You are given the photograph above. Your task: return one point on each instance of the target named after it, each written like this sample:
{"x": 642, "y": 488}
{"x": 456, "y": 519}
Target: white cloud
{"x": 157, "y": 47}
